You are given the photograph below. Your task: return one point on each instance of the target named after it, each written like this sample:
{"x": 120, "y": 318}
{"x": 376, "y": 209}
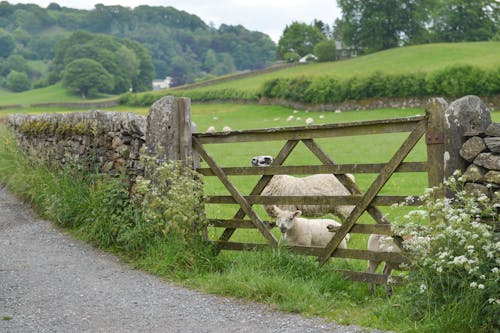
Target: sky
{"x": 267, "y": 16}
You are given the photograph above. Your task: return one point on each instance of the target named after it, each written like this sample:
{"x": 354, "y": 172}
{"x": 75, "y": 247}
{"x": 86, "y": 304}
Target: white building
{"x": 162, "y": 84}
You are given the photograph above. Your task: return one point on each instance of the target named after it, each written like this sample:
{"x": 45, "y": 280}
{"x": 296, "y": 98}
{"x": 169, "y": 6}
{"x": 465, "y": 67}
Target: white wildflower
{"x": 480, "y": 286}
{"x": 494, "y": 270}
{"x": 423, "y": 288}
{"x": 473, "y": 284}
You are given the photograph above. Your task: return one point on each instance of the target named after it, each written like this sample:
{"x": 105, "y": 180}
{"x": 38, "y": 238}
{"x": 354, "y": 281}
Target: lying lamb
{"x": 380, "y": 243}
{"x": 298, "y": 231}
{"x": 315, "y": 185}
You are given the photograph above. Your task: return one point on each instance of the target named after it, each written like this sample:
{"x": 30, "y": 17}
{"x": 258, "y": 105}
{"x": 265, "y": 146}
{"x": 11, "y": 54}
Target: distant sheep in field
{"x": 314, "y": 185}
{"x": 380, "y": 243}
{"x": 298, "y": 231}
{"x": 211, "y": 129}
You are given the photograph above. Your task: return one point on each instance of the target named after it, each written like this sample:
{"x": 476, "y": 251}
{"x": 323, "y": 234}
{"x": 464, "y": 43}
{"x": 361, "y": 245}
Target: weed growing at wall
{"x": 454, "y": 284}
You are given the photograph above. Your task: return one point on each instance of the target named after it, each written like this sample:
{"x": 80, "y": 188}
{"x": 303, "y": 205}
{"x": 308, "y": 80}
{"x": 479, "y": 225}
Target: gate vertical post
{"x": 168, "y": 131}
{"x": 434, "y": 138}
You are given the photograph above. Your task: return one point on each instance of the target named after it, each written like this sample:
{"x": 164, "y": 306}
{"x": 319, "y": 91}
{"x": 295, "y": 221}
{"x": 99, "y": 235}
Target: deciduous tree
{"x": 87, "y": 76}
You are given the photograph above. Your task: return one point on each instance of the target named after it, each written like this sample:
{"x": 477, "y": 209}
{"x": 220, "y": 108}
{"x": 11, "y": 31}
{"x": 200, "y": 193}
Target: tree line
{"x": 181, "y": 45}
{"x": 368, "y": 26}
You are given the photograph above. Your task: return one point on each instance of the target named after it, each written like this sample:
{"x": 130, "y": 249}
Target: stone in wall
{"x": 488, "y": 161}
{"x": 492, "y": 177}
{"x": 474, "y": 173}
{"x": 493, "y": 144}
{"x": 465, "y": 115}
{"x": 471, "y": 148}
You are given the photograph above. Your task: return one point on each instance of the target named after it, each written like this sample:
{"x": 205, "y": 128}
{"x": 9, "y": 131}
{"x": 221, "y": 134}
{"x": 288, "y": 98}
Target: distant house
{"x": 308, "y": 58}
{"x": 344, "y": 52}
{"x": 162, "y": 84}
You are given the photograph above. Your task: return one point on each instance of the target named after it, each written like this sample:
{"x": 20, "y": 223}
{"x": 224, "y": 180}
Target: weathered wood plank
{"x": 317, "y": 251}
{"x": 316, "y": 131}
{"x": 370, "y": 277}
{"x": 247, "y": 208}
{"x": 376, "y": 186}
{"x": 315, "y": 169}
{"x": 312, "y": 200}
{"x": 382, "y": 229}
{"x": 261, "y": 184}
{"x": 435, "y": 109}
{"x": 237, "y": 223}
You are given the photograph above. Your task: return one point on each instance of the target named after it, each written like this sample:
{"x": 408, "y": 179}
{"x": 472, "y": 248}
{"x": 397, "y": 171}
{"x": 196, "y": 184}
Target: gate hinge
{"x": 432, "y": 138}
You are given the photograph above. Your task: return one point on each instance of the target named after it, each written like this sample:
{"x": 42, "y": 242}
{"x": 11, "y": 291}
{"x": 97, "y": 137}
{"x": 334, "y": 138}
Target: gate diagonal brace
{"x": 372, "y": 192}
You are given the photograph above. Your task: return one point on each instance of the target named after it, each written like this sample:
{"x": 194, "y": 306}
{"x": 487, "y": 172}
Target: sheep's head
{"x": 262, "y": 160}
{"x": 285, "y": 219}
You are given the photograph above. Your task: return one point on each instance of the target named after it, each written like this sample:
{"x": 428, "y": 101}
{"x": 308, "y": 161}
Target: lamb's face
{"x": 285, "y": 219}
{"x": 262, "y": 161}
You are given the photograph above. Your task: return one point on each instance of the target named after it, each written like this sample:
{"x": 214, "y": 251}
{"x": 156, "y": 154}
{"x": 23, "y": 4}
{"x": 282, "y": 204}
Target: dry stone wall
{"x": 107, "y": 142}
{"x": 481, "y": 150}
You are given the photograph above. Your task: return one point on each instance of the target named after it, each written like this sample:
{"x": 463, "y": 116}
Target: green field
{"x": 52, "y": 94}
{"x": 411, "y": 59}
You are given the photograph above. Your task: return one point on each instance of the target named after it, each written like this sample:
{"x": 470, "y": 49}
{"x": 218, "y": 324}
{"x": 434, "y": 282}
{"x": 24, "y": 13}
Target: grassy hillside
{"x": 419, "y": 58}
{"x": 51, "y": 94}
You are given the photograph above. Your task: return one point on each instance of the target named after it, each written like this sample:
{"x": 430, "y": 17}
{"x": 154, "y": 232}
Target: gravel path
{"x": 50, "y": 282}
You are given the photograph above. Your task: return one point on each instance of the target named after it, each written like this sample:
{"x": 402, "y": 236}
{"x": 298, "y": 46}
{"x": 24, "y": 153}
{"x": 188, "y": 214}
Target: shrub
{"x": 17, "y": 81}
{"x": 458, "y": 80}
{"x": 455, "y": 273}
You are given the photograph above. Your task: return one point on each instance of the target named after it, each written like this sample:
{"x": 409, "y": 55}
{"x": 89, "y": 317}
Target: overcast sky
{"x": 267, "y": 16}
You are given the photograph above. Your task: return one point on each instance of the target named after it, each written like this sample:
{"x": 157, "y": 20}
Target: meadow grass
{"x": 411, "y": 59}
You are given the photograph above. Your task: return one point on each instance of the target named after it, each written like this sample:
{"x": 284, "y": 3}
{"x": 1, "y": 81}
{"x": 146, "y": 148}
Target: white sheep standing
{"x": 299, "y": 231}
{"x": 381, "y": 243}
{"x": 314, "y": 185}
{"x": 211, "y": 129}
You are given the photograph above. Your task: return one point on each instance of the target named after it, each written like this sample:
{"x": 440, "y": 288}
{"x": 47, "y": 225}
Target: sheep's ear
{"x": 275, "y": 209}
{"x": 297, "y": 213}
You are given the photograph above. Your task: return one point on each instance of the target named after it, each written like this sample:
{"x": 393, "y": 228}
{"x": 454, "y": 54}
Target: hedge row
{"x": 205, "y": 95}
{"x": 452, "y": 81}
{"x": 458, "y": 80}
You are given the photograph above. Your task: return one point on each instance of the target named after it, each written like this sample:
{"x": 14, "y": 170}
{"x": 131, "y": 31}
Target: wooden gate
{"x": 367, "y": 201}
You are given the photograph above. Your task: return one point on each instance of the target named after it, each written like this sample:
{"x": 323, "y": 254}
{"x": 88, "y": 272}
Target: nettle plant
{"x": 171, "y": 199}
{"x": 454, "y": 254}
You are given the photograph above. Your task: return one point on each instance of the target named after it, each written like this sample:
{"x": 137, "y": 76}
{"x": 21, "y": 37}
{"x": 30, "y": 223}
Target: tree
{"x": 325, "y": 50}
{"x": 299, "y": 38}
{"x": 374, "y": 25}
{"x": 463, "y": 20}
{"x": 7, "y": 44}
{"x": 17, "y": 81}
{"x": 87, "y": 76}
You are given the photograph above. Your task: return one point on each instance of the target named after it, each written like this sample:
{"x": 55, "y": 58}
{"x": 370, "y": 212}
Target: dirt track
{"x": 50, "y": 282}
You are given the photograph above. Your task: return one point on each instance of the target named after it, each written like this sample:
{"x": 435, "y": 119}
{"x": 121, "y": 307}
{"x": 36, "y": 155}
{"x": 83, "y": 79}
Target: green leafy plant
{"x": 455, "y": 273}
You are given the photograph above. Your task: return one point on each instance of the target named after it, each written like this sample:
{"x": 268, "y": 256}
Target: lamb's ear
{"x": 297, "y": 213}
